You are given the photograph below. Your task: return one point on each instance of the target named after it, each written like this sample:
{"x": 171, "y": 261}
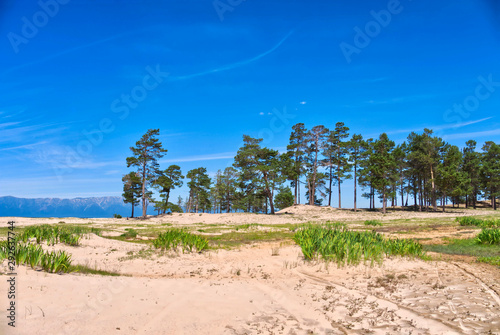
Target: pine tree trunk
{"x": 330, "y": 187}
{"x": 434, "y": 200}
{"x": 312, "y": 191}
{"x": 420, "y": 194}
{"x": 384, "y": 203}
{"x": 402, "y": 195}
{"x": 295, "y": 192}
{"x": 355, "y": 186}
{"x": 474, "y": 198}
{"x": 414, "y": 194}
{"x": 493, "y": 200}
{"x": 298, "y": 190}
{"x": 144, "y": 209}
{"x": 340, "y": 196}
{"x": 132, "y": 210}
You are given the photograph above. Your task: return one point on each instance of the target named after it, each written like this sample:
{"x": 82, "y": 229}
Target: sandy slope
{"x": 251, "y": 291}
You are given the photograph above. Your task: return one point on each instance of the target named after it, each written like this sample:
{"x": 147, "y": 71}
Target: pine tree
{"x": 264, "y": 168}
{"x": 199, "y": 188}
{"x": 432, "y": 147}
{"x": 356, "y": 148}
{"x": 229, "y": 180}
{"x": 131, "y": 189}
{"x": 384, "y": 167}
{"x": 284, "y": 198}
{"x": 166, "y": 181}
{"x": 297, "y": 150}
{"x": 490, "y": 171}
{"x": 471, "y": 167}
{"x": 401, "y": 165}
{"x": 449, "y": 174}
{"x": 336, "y": 153}
{"x": 145, "y": 158}
{"x": 316, "y": 142}
{"x": 365, "y": 178}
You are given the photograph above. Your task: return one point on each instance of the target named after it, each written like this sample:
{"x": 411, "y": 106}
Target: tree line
{"x": 424, "y": 168}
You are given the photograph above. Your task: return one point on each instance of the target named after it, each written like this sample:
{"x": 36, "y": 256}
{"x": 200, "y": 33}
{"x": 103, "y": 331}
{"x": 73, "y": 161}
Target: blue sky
{"x": 254, "y": 67}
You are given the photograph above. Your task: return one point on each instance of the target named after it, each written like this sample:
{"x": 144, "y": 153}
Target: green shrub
{"x": 172, "y": 239}
{"x": 472, "y": 221}
{"x": 373, "y": 223}
{"x": 488, "y": 236}
{"x": 117, "y": 216}
{"x": 34, "y": 256}
{"x": 130, "y": 233}
{"x": 490, "y": 260}
{"x": 337, "y": 243}
{"x": 53, "y": 234}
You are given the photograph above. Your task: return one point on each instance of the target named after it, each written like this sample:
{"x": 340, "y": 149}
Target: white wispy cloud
{"x": 70, "y": 50}
{"x": 440, "y": 127}
{"x": 65, "y": 157}
{"x": 8, "y": 124}
{"x": 409, "y": 98}
{"x": 233, "y": 65}
{"x": 24, "y": 146}
{"x": 223, "y": 155}
{"x": 473, "y": 135}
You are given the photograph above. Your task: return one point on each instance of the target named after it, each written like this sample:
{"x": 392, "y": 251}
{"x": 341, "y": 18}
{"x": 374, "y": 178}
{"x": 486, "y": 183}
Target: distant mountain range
{"x": 102, "y": 207}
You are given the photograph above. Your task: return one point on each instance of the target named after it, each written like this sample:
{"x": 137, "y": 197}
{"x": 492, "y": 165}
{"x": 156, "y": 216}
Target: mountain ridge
{"x": 92, "y": 207}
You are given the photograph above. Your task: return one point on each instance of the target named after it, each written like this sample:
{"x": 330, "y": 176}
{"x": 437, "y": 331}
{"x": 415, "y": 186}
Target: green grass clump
{"x": 83, "y": 269}
{"x": 129, "y": 233}
{"x": 53, "y": 234}
{"x": 34, "y": 256}
{"x": 468, "y": 247}
{"x": 174, "y": 238}
{"x": 373, "y": 223}
{"x": 472, "y": 221}
{"x": 488, "y": 236}
{"x": 335, "y": 242}
{"x": 490, "y": 260}
{"x": 235, "y": 239}
{"x": 247, "y": 226}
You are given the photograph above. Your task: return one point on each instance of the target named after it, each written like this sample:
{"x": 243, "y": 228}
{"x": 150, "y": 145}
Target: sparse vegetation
{"x": 489, "y": 236}
{"x": 129, "y": 233}
{"x": 334, "y": 242}
{"x": 482, "y": 223}
{"x": 172, "y": 239}
{"x": 467, "y": 247}
{"x": 34, "y": 256}
{"x": 373, "y": 223}
{"x": 84, "y": 269}
{"x": 490, "y": 260}
{"x": 53, "y": 234}
{"x": 247, "y": 226}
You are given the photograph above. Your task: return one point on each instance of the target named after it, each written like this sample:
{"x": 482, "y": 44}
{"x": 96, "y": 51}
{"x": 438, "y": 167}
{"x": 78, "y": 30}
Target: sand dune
{"x": 261, "y": 288}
